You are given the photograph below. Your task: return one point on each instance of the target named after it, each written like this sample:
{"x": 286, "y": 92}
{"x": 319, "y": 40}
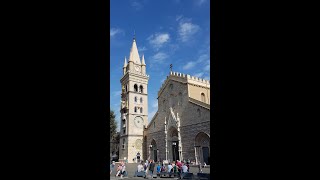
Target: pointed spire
{"x": 142, "y": 61}
{"x": 125, "y": 62}
{"x": 134, "y": 54}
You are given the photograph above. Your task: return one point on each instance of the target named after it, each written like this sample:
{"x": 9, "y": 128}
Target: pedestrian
{"x": 112, "y": 166}
{"x": 118, "y": 170}
{"x": 123, "y": 170}
{"x": 188, "y": 166}
{"x": 151, "y": 168}
{"x": 184, "y": 168}
{"x": 170, "y": 167}
{"x": 158, "y": 169}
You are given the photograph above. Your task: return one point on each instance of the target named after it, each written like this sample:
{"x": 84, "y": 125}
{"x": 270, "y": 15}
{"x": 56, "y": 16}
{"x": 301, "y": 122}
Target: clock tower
{"x": 134, "y": 106}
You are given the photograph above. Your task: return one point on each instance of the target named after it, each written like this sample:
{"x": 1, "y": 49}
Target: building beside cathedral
{"x": 179, "y": 130}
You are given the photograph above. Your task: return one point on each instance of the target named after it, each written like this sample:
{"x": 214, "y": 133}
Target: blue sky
{"x": 167, "y": 32}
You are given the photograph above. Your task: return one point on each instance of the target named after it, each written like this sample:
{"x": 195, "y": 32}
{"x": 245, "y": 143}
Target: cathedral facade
{"x": 179, "y": 130}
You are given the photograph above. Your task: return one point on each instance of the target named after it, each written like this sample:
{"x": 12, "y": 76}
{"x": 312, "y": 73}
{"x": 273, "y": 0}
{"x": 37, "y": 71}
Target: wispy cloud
{"x": 116, "y": 93}
{"x": 199, "y": 74}
{"x": 200, "y": 2}
{"x": 115, "y": 31}
{"x": 142, "y": 49}
{"x": 189, "y": 65}
{"x": 186, "y": 30}
{"x": 159, "y": 39}
{"x": 202, "y": 59}
{"x": 159, "y": 57}
{"x": 137, "y": 5}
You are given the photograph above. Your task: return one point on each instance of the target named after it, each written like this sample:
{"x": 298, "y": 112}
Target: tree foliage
{"x": 113, "y": 124}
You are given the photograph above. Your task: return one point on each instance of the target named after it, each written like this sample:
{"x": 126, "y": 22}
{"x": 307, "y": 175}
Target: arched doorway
{"x": 154, "y": 151}
{"x": 202, "y": 148}
{"x": 173, "y": 144}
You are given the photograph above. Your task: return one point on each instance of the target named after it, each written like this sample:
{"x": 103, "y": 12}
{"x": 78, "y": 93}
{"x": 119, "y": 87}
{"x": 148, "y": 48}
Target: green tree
{"x": 113, "y": 124}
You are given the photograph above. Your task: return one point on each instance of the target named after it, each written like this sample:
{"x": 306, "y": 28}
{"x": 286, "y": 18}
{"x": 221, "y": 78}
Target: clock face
{"x": 138, "y": 143}
{"x": 138, "y": 122}
{"x": 137, "y": 68}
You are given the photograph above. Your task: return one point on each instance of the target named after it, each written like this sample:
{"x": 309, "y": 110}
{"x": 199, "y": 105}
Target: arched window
{"x": 135, "y": 109}
{"x": 203, "y": 97}
{"x": 141, "y": 89}
{"x": 135, "y": 99}
{"x": 127, "y": 88}
{"x": 141, "y": 110}
{"x": 141, "y": 100}
{"x": 135, "y": 88}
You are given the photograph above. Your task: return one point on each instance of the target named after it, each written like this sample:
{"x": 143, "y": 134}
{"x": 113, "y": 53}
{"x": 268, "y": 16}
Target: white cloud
{"x": 200, "y": 2}
{"x": 189, "y": 65}
{"x": 159, "y": 57}
{"x": 186, "y": 30}
{"x": 136, "y": 5}
{"x": 116, "y": 93}
{"x": 115, "y": 31}
{"x": 155, "y": 104}
{"x": 142, "y": 49}
{"x": 199, "y": 74}
{"x": 159, "y": 39}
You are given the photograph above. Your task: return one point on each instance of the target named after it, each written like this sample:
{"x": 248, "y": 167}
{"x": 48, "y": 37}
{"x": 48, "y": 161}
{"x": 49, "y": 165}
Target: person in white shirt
{"x": 169, "y": 167}
{"x": 140, "y": 168}
{"x": 184, "y": 168}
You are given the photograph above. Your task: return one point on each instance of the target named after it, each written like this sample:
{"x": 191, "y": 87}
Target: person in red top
{"x": 179, "y": 165}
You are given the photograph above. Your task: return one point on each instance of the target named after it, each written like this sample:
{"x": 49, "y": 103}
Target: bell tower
{"x": 134, "y": 106}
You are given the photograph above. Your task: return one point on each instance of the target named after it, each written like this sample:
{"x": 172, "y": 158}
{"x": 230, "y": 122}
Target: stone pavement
{"x": 132, "y": 167}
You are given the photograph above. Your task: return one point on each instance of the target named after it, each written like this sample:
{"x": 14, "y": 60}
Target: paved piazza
{"x": 132, "y": 167}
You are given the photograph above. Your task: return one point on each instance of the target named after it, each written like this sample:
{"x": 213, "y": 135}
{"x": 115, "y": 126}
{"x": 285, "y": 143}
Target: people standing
{"x": 151, "y": 168}
{"x": 112, "y": 166}
{"x": 170, "y": 167}
{"x": 123, "y": 170}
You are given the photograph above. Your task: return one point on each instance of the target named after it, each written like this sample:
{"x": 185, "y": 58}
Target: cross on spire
{"x": 170, "y": 67}
{"x": 134, "y": 34}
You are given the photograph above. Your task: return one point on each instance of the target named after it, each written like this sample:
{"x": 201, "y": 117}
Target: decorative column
{"x": 179, "y": 138}
{"x": 196, "y": 154}
{"x": 165, "y": 131}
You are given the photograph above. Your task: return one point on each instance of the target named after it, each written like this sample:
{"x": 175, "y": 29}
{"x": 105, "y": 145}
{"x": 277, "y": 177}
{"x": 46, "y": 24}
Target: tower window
{"x": 135, "y": 99}
{"x": 141, "y": 89}
{"x": 141, "y": 100}
{"x": 141, "y": 110}
{"x": 203, "y": 97}
{"x": 123, "y": 143}
{"x": 135, "y": 109}
{"x": 127, "y": 88}
{"x": 135, "y": 88}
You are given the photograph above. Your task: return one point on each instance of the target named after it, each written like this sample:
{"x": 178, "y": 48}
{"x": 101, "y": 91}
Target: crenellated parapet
{"x": 185, "y": 78}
